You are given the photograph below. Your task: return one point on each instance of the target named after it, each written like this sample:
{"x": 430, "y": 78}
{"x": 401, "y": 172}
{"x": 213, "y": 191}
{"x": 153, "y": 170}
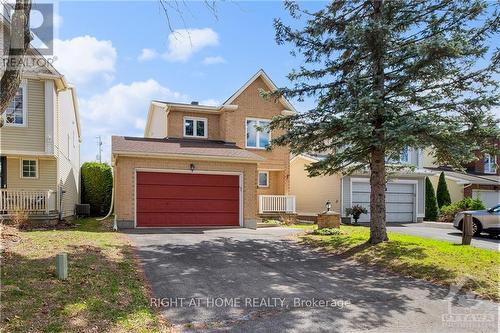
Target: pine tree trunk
{"x": 378, "y": 231}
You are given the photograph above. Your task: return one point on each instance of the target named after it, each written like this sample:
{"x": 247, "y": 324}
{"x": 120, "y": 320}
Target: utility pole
{"x": 99, "y": 148}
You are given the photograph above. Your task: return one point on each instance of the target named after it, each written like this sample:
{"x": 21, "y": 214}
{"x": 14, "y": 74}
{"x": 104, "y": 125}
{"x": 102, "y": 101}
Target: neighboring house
{"x": 40, "y": 146}
{"x": 201, "y": 165}
{"x": 405, "y": 200}
{"x": 481, "y": 178}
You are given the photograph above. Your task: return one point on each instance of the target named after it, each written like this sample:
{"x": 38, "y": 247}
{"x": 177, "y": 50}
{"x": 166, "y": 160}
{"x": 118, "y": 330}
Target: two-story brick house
{"x": 40, "y": 146}
{"x": 201, "y": 165}
{"x": 480, "y": 179}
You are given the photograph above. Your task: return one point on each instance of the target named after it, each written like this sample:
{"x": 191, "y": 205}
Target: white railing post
{"x": 276, "y": 204}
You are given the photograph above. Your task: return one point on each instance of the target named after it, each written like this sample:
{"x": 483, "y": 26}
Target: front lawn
{"x": 432, "y": 260}
{"x": 105, "y": 291}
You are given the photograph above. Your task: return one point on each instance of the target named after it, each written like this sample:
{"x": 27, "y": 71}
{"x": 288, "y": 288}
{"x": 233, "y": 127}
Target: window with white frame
{"x": 258, "y": 135}
{"x": 195, "y": 127}
{"x": 15, "y": 114}
{"x": 490, "y": 164}
{"x": 29, "y": 168}
{"x": 263, "y": 179}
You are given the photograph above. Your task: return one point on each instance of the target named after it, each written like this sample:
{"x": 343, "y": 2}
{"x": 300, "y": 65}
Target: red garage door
{"x": 187, "y": 200}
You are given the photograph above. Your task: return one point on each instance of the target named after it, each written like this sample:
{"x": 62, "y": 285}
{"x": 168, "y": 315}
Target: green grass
{"x": 432, "y": 260}
{"x": 105, "y": 291}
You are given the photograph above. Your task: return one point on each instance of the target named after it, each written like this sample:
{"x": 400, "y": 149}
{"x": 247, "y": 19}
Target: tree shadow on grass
{"x": 102, "y": 293}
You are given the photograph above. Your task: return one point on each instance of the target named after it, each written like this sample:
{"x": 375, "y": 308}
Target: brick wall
{"x": 124, "y": 172}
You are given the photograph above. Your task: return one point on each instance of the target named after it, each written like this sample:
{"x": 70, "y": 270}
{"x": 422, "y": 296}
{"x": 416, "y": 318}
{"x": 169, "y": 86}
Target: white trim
{"x": 195, "y": 122}
{"x": 257, "y": 140}
{"x": 308, "y": 159}
{"x": 268, "y": 82}
{"x": 49, "y": 116}
{"x": 267, "y": 179}
{"x": 208, "y": 172}
{"x": 21, "y": 174}
{"x": 24, "y": 88}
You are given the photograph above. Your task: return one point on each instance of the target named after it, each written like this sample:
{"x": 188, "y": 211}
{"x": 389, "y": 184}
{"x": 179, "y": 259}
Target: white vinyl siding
{"x": 31, "y": 137}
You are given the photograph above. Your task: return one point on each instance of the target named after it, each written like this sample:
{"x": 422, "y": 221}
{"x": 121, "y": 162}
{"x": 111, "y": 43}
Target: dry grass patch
{"x": 104, "y": 292}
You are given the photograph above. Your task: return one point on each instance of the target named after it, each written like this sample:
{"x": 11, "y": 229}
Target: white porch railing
{"x": 27, "y": 201}
{"x": 276, "y": 204}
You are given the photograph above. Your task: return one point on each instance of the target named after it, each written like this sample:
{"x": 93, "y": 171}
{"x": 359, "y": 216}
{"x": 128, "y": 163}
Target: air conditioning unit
{"x": 82, "y": 210}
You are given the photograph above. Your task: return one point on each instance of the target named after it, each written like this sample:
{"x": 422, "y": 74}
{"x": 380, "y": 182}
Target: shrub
{"x": 97, "y": 185}
{"x": 447, "y": 213}
{"x": 356, "y": 212}
{"x": 327, "y": 231}
{"x": 20, "y": 220}
{"x": 442, "y": 194}
{"x": 431, "y": 209}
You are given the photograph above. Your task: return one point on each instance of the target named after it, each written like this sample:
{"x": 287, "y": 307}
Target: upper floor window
{"x": 258, "y": 135}
{"x": 404, "y": 157}
{"x": 29, "y": 168}
{"x": 195, "y": 127}
{"x": 490, "y": 164}
{"x": 15, "y": 114}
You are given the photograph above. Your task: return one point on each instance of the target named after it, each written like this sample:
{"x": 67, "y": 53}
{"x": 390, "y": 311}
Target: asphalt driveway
{"x": 444, "y": 231}
{"x": 240, "y": 280}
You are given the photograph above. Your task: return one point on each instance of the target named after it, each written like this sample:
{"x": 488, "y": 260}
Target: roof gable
{"x": 269, "y": 83}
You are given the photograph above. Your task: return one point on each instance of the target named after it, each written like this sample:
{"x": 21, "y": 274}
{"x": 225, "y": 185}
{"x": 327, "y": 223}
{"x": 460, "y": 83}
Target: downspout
{"x": 110, "y": 212}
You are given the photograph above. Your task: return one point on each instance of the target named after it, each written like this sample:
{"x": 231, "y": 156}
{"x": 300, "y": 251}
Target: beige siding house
{"x": 405, "y": 191}
{"x": 40, "y": 147}
{"x": 201, "y": 165}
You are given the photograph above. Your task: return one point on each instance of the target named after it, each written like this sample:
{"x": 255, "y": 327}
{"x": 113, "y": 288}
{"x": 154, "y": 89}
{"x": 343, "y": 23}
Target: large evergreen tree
{"x": 431, "y": 209}
{"x": 386, "y": 75}
{"x": 443, "y": 195}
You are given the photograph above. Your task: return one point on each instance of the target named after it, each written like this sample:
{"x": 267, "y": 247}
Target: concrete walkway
{"x": 240, "y": 280}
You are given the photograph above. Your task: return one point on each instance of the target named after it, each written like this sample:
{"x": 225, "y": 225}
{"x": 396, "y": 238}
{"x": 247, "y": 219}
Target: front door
{"x": 3, "y": 172}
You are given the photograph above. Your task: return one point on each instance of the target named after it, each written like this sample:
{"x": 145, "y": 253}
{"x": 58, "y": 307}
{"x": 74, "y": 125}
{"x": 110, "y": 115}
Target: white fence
{"x": 27, "y": 201}
{"x": 276, "y": 204}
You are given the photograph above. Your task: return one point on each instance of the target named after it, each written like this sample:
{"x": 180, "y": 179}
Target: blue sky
{"x": 100, "y": 50}
{"x": 122, "y": 54}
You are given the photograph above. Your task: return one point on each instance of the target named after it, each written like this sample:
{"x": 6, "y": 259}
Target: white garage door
{"x": 399, "y": 201}
{"x": 490, "y": 198}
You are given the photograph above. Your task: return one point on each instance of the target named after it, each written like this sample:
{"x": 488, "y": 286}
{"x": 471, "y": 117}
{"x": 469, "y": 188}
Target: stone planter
{"x": 329, "y": 220}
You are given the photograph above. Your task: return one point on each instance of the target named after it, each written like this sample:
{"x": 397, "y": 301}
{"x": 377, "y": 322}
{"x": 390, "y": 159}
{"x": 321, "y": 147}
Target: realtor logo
{"x": 41, "y": 28}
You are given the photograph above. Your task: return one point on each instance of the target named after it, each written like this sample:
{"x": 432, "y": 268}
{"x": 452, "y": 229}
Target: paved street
{"x": 269, "y": 283}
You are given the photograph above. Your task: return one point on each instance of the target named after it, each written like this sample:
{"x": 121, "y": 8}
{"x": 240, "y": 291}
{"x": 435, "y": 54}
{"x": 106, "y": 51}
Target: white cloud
{"x": 120, "y": 110}
{"x": 85, "y": 58}
{"x": 183, "y": 43}
{"x": 211, "y": 102}
{"x": 213, "y": 60}
{"x": 147, "y": 54}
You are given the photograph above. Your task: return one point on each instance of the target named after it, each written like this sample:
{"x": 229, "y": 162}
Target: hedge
{"x": 447, "y": 213}
{"x": 431, "y": 209}
{"x": 442, "y": 195}
{"x": 97, "y": 185}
